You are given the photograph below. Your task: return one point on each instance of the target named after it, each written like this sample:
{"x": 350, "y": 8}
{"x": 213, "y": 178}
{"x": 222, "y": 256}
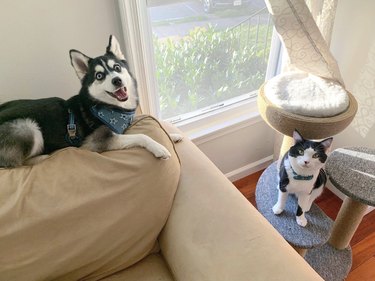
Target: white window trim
{"x": 139, "y": 52}
{"x": 215, "y": 119}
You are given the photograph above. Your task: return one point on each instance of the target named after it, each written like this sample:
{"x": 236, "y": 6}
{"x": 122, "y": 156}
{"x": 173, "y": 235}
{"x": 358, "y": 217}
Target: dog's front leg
{"x": 103, "y": 139}
{"x": 139, "y": 140}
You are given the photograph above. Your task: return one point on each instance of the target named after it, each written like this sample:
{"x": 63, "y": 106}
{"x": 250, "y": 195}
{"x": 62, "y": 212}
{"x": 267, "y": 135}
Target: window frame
{"x": 139, "y": 52}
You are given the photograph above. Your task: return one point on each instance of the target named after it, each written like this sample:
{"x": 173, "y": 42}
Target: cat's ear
{"x": 326, "y": 144}
{"x": 297, "y": 136}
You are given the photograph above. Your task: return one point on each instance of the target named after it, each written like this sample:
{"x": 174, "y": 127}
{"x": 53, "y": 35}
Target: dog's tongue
{"x": 121, "y": 94}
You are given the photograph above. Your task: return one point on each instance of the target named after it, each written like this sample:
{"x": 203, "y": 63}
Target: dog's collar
{"x": 300, "y": 177}
{"x": 116, "y": 119}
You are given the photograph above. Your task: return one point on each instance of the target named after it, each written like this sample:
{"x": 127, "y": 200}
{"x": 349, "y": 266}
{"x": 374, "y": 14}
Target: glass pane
{"x": 208, "y": 51}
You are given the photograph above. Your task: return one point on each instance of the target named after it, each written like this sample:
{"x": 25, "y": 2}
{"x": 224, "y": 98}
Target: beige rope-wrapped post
{"x": 346, "y": 223}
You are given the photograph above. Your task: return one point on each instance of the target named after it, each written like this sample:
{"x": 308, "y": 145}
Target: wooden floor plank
{"x": 365, "y": 272}
{"x": 366, "y": 227}
{"x": 363, "y": 251}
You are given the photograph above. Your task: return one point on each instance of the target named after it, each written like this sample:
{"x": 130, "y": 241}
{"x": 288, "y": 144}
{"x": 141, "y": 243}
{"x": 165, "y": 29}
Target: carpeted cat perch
{"x": 309, "y": 96}
{"x": 312, "y": 127}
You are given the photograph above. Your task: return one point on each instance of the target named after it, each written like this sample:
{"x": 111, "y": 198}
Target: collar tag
{"x": 116, "y": 119}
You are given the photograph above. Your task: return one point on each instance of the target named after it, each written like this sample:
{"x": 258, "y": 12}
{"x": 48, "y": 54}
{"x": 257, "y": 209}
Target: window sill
{"x": 216, "y": 123}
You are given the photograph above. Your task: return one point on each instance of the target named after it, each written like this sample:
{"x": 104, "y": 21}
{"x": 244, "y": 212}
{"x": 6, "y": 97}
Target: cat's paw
{"x": 302, "y": 221}
{"x": 277, "y": 210}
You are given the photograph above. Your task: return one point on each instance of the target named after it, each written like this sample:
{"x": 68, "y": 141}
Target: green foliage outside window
{"x": 209, "y": 66}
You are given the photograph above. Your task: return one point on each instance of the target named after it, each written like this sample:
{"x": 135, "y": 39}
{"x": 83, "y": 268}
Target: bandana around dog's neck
{"x": 116, "y": 119}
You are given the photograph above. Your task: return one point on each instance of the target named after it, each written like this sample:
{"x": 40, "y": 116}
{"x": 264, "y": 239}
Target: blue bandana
{"x": 299, "y": 177}
{"x": 116, "y": 119}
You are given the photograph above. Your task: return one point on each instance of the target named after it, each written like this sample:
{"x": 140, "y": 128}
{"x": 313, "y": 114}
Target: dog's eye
{"x": 99, "y": 75}
{"x": 117, "y": 67}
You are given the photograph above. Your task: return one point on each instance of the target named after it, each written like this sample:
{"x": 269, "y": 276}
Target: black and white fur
{"x": 304, "y": 160}
{"x": 29, "y": 128}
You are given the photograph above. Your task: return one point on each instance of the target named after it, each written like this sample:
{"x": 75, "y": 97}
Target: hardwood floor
{"x": 363, "y": 242}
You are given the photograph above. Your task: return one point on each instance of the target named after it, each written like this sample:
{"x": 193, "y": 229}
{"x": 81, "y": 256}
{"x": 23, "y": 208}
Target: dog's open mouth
{"x": 120, "y": 94}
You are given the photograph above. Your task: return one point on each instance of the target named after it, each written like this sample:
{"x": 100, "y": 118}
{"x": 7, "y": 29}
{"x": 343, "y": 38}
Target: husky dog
{"x": 94, "y": 119}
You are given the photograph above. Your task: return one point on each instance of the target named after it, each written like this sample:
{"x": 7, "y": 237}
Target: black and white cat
{"x": 301, "y": 173}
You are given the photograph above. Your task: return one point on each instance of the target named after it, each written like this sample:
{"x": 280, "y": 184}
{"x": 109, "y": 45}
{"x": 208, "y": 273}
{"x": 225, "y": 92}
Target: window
{"x": 198, "y": 57}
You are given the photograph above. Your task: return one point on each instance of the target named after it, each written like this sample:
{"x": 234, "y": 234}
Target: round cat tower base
{"x": 331, "y": 264}
{"x": 310, "y": 241}
{"x": 314, "y": 234}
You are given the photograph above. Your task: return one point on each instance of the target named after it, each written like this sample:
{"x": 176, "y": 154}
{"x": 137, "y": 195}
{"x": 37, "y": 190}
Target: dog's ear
{"x": 80, "y": 62}
{"x": 114, "y": 48}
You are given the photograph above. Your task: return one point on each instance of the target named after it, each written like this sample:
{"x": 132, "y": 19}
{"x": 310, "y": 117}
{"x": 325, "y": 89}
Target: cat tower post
{"x": 307, "y": 53}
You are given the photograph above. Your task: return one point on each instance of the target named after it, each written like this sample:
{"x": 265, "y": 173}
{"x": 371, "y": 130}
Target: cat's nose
{"x": 306, "y": 162}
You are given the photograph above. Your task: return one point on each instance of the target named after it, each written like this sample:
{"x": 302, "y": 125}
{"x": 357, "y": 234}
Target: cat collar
{"x": 300, "y": 177}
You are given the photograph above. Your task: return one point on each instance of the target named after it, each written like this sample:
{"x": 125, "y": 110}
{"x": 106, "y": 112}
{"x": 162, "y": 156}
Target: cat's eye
{"x": 99, "y": 76}
{"x": 117, "y": 67}
{"x": 300, "y": 151}
{"x": 316, "y": 155}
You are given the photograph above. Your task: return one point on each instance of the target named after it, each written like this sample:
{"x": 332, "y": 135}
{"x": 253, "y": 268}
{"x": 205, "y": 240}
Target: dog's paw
{"x": 277, "y": 210}
{"x": 176, "y": 137}
{"x": 160, "y": 151}
{"x": 301, "y": 220}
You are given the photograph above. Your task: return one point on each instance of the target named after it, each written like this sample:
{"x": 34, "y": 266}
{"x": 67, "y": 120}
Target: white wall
{"x": 240, "y": 150}
{"x": 36, "y": 37}
{"x": 353, "y": 45}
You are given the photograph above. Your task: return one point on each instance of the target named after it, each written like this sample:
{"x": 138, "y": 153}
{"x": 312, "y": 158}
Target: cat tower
{"x": 310, "y": 97}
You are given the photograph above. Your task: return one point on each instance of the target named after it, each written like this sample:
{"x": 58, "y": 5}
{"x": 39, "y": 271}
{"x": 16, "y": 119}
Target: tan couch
{"x": 214, "y": 234}
{"x": 67, "y": 219}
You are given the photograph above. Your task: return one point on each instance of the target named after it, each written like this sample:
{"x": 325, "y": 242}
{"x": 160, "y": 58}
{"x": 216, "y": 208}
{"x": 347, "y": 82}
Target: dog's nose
{"x": 117, "y": 81}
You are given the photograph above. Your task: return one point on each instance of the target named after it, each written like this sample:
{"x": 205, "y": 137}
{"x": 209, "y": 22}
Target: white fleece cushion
{"x": 306, "y": 94}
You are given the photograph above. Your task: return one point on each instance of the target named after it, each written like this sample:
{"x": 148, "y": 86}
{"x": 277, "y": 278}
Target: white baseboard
{"x": 249, "y": 169}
